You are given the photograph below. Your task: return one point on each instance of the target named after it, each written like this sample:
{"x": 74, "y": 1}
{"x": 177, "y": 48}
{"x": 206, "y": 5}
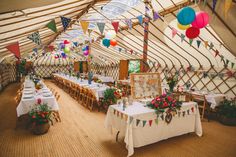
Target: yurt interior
{"x": 117, "y": 78}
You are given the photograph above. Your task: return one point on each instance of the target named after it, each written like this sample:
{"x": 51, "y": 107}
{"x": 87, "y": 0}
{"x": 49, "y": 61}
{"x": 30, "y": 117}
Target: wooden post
{"x": 145, "y": 37}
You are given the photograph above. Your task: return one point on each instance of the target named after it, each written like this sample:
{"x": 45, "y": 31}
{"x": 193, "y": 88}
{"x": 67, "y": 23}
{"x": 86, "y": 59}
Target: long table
{"x": 140, "y": 125}
{"x": 97, "y": 88}
{"x": 30, "y": 96}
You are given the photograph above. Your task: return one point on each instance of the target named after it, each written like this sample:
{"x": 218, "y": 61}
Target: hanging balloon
{"x": 192, "y": 32}
{"x": 86, "y": 53}
{"x": 67, "y": 50}
{"x": 113, "y": 42}
{"x": 186, "y": 16}
{"x": 106, "y": 42}
{"x": 66, "y": 42}
{"x": 62, "y": 45}
{"x": 201, "y": 20}
{"x": 182, "y": 27}
{"x": 63, "y": 55}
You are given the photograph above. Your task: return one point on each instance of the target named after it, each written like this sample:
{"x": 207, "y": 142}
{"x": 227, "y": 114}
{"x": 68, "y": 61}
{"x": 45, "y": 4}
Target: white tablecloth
{"x": 150, "y": 129}
{"x": 104, "y": 78}
{"x": 30, "y": 96}
{"x": 97, "y": 88}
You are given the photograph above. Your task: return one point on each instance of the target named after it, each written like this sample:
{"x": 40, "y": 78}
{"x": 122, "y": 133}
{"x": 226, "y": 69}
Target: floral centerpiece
{"x": 172, "y": 81}
{"x": 40, "y": 116}
{"x": 119, "y": 93}
{"x": 165, "y": 103}
{"x": 98, "y": 81}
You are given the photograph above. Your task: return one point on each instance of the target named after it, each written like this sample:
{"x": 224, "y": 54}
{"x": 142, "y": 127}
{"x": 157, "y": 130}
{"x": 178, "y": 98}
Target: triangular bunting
{"x": 150, "y": 122}
{"x": 227, "y": 61}
{"x": 182, "y": 36}
{"x": 75, "y": 43}
{"x": 131, "y": 120}
{"x": 227, "y": 6}
{"x": 52, "y": 25}
{"x": 206, "y": 43}
{"x": 155, "y": 16}
{"x": 129, "y": 23}
{"x": 214, "y": 5}
{"x": 89, "y": 32}
{"x": 35, "y": 37}
{"x": 156, "y": 121}
{"x": 140, "y": 19}
{"x": 211, "y": 46}
{"x": 101, "y": 26}
{"x": 137, "y": 122}
{"x": 35, "y": 50}
{"x": 15, "y": 49}
{"x": 232, "y": 65}
{"x": 84, "y": 25}
{"x": 205, "y": 2}
{"x": 174, "y": 32}
{"x": 216, "y": 53}
{"x": 115, "y": 25}
{"x": 190, "y": 42}
{"x": 222, "y": 58}
{"x": 144, "y": 122}
{"x": 65, "y": 22}
{"x": 198, "y": 43}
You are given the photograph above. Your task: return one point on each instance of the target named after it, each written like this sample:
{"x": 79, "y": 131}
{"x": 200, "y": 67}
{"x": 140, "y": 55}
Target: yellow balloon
{"x": 183, "y": 27}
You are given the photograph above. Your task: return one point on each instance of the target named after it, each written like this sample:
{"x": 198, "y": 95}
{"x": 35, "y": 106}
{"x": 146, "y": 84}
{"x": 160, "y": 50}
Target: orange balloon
{"x": 113, "y": 42}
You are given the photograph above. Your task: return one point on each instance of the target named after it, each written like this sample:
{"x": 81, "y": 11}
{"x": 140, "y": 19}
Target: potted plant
{"x": 226, "y": 112}
{"x": 109, "y": 98}
{"x": 40, "y": 116}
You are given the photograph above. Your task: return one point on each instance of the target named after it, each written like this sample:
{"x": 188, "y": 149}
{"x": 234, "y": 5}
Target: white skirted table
{"x": 140, "y": 125}
{"x": 30, "y": 96}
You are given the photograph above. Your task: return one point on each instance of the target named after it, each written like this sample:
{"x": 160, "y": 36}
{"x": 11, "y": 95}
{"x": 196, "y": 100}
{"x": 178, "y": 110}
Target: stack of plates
{"x": 29, "y": 96}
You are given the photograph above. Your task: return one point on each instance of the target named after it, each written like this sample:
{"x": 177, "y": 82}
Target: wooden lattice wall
{"x": 46, "y": 71}
{"x": 7, "y": 75}
{"x": 212, "y": 81}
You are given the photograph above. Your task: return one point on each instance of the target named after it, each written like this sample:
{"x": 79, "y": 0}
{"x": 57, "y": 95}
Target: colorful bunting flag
{"x": 205, "y": 2}
{"x": 129, "y": 23}
{"x": 174, "y": 32}
{"x": 120, "y": 49}
{"x": 15, "y": 49}
{"x": 227, "y": 61}
{"x": 35, "y": 37}
{"x": 206, "y": 43}
{"x": 211, "y": 46}
{"x": 232, "y": 65}
{"x": 182, "y": 36}
{"x": 222, "y": 58}
{"x": 227, "y": 6}
{"x": 140, "y": 19}
{"x": 52, "y": 25}
{"x": 190, "y": 42}
{"x": 205, "y": 74}
{"x": 75, "y": 43}
{"x": 115, "y": 25}
{"x": 216, "y": 53}
{"x": 35, "y": 50}
{"x": 65, "y": 22}
{"x": 130, "y": 119}
{"x": 101, "y": 26}
{"x": 155, "y": 16}
{"x": 84, "y": 25}
{"x": 198, "y": 43}
{"x": 137, "y": 122}
{"x": 150, "y": 122}
{"x": 214, "y": 5}
{"x": 144, "y": 122}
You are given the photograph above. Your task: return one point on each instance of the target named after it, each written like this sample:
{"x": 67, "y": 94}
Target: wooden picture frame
{"x": 144, "y": 85}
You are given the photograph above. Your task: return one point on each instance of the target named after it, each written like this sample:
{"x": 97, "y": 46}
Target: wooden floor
{"x": 82, "y": 134}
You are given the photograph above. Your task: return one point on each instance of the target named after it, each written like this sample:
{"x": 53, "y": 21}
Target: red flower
{"x": 39, "y": 101}
{"x": 33, "y": 116}
{"x": 165, "y": 104}
{"x": 169, "y": 98}
{"x": 42, "y": 115}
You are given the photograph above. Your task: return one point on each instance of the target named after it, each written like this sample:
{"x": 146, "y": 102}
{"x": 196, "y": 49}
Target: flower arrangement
{"x": 119, "y": 93}
{"x": 164, "y": 103}
{"x": 98, "y": 81}
{"x": 172, "y": 81}
{"x": 40, "y": 114}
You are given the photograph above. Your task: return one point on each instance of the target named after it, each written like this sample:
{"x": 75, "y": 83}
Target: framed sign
{"x": 145, "y": 85}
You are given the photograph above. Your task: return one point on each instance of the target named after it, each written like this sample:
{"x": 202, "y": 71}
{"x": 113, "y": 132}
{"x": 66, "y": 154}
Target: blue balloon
{"x": 186, "y": 16}
{"x": 106, "y": 42}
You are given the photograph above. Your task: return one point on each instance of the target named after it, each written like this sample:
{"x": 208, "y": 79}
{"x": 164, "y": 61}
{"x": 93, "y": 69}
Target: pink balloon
{"x": 86, "y": 53}
{"x": 201, "y": 20}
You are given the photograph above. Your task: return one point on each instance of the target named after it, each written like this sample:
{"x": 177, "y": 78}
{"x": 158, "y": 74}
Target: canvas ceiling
{"x": 163, "y": 49}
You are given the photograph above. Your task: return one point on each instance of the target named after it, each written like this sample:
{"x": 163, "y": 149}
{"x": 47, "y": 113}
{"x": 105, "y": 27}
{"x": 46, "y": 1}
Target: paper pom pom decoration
{"x": 66, "y": 42}
{"x": 186, "y": 16}
{"x": 201, "y": 20}
{"x": 113, "y": 42}
{"x": 192, "y": 32}
{"x": 67, "y": 50}
{"x": 61, "y": 45}
{"x": 182, "y": 27}
{"x": 106, "y": 42}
